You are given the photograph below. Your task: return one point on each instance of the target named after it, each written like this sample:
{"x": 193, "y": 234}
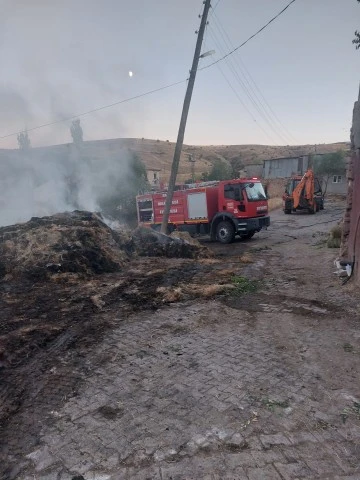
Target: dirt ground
{"x": 241, "y": 366}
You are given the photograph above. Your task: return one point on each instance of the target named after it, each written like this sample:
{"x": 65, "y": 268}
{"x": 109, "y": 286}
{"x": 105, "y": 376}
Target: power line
{"x": 250, "y": 80}
{"x": 246, "y": 90}
{"x": 95, "y": 109}
{"x": 249, "y": 90}
{"x": 250, "y": 38}
{"x": 151, "y": 91}
{"x": 214, "y": 8}
{"x": 245, "y": 106}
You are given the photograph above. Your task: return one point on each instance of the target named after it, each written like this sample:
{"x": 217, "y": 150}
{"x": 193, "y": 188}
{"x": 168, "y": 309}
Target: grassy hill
{"x": 159, "y": 154}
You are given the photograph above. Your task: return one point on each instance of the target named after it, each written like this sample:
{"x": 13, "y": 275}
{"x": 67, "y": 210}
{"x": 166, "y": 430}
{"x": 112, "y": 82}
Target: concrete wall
{"x": 285, "y": 167}
{"x": 339, "y": 188}
{"x": 275, "y": 187}
{"x": 153, "y": 176}
{"x": 350, "y": 246}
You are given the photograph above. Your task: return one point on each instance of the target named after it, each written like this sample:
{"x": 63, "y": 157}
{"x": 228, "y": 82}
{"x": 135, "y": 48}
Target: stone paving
{"x": 258, "y": 387}
{"x": 205, "y": 391}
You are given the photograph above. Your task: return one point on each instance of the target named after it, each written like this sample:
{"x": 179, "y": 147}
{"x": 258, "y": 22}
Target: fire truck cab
{"x": 222, "y": 209}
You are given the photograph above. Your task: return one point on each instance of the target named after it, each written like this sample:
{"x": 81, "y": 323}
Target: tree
{"x": 76, "y": 132}
{"x": 236, "y": 165}
{"x": 356, "y": 40}
{"x": 328, "y": 166}
{"x": 204, "y": 177}
{"x": 121, "y": 203}
{"x": 24, "y": 141}
{"x": 219, "y": 171}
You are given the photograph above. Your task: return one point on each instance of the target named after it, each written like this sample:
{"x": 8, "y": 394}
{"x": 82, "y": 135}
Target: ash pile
{"x": 149, "y": 243}
{"x": 81, "y": 243}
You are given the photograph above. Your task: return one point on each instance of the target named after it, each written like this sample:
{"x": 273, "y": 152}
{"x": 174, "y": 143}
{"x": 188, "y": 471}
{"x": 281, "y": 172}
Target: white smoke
{"x": 46, "y": 181}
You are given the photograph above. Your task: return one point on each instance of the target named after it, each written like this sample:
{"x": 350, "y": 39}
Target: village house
{"x": 153, "y": 176}
{"x": 289, "y": 166}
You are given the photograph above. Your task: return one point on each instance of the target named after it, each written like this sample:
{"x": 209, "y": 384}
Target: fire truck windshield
{"x": 255, "y": 192}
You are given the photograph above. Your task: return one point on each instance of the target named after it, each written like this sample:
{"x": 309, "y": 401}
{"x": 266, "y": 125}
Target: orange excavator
{"x": 303, "y": 193}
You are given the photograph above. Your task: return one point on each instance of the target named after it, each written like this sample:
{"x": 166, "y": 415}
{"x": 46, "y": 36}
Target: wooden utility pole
{"x": 184, "y": 115}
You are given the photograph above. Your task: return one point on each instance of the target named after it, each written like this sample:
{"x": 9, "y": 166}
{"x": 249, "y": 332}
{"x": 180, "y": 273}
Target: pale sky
{"x": 63, "y": 57}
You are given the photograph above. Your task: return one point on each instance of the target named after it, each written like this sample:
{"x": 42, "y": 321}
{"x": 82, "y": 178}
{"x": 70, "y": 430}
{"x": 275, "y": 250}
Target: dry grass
{"x": 65, "y": 243}
{"x": 170, "y": 294}
{"x": 274, "y": 203}
{"x": 209, "y": 261}
{"x": 246, "y": 258}
{"x": 226, "y": 272}
{"x": 334, "y": 240}
{"x": 207, "y": 291}
{"x": 153, "y": 272}
{"x": 212, "y": 290}
{"x": 336, "y": 231}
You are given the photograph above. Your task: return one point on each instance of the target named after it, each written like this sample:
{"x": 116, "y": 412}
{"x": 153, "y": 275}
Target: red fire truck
{"x": 222, "y": 209}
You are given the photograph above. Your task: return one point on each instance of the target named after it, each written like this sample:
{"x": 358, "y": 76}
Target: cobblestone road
{"x": 259, "y": 387}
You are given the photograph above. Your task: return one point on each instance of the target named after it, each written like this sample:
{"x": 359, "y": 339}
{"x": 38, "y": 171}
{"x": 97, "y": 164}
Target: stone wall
{"x": 350, "y": 247}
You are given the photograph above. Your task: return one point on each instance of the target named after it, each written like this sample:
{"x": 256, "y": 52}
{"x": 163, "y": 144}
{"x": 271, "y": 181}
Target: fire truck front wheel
{"x": 225, "y": 232}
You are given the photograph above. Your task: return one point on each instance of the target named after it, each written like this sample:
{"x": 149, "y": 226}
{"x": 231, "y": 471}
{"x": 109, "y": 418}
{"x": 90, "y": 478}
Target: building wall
{"x": 253, "y": 170}
{"x": 338, "y": 188}
{"x": 153, "y": 176}
{"x": 350, "y": 245}
{"x": 285, "y": 167}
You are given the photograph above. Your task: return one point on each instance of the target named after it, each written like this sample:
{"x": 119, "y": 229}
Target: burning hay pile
{"x": 77, "y": 242}
{"x": 81, "y": 243}
{"x": 149, "y": 243}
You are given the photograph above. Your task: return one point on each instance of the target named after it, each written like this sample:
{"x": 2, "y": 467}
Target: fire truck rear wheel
{"x": 225, "y": 232}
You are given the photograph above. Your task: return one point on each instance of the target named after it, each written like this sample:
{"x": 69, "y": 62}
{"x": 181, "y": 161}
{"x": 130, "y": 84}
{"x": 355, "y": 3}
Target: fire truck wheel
{"x": 225, "y": 232}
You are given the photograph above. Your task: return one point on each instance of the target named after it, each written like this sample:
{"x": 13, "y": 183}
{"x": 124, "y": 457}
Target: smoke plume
{"x": 44, "y": 181}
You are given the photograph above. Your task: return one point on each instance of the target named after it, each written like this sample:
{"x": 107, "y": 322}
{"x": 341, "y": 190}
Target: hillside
{"x": 158, "y": 154}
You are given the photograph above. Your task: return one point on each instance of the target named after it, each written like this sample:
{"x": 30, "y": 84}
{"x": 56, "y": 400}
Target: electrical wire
{"x": 248, "y": 78}
{"x": 245, "y": 106}
{"x": 247, "y": 91}
{"x": 214, "y": 8}
{"x": 151, "y": 91}
{"x": 95, "y": 109}
{"x": 250, "y": 38}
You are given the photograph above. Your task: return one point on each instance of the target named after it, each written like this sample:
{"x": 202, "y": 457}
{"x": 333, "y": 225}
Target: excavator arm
{"x": 305, "y": 191}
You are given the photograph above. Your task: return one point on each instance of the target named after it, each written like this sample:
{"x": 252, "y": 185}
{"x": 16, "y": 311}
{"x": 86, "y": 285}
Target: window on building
{"x": 337, "y": 179}
{"x": 155, "y": 176}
